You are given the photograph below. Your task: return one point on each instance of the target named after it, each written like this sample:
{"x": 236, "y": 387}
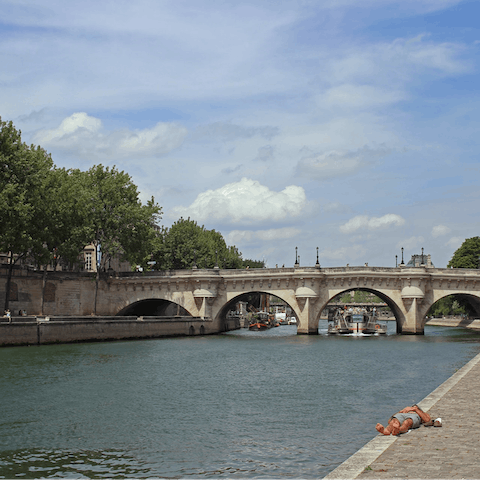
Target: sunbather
{"x": 406, "y": 419}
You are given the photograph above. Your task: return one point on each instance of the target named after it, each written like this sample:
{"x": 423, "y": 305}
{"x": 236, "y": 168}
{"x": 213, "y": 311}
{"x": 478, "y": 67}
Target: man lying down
{"x": 406, "y": 419}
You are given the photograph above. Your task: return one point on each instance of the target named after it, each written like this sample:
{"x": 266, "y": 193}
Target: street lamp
{"x": 318, "y": 262}
{"x": 402, "y": 264}
{"x": 296, "y": 256}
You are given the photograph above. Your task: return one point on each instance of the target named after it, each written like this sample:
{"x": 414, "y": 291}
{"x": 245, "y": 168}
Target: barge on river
{"x": 356, "y": 322}
{"x": 263, "y": 321}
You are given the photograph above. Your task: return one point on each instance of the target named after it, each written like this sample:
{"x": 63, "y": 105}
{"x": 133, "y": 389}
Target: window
{"x": 88, "y": 261}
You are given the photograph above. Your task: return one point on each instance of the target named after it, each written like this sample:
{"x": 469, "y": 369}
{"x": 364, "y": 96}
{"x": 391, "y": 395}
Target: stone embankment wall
{"x": 65, "y": 293}
{"x": 45, "y": 330}
{"x": 455, "y": 322}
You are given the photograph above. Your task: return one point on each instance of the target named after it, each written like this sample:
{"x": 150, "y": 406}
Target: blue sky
{"x": 344, "y": 125}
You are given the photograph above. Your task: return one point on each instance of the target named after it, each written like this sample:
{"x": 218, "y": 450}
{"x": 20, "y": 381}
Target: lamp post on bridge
{"x": 402, "y": 264}
{"x": 297, "y": 264}
{"x": 396, "y": 261}
{"x": 318, "y": 262}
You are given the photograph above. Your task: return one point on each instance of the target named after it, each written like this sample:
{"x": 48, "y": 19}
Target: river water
{"x": 240, "y": 405}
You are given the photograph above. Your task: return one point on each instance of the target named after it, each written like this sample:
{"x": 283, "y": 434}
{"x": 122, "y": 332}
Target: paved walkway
{"x": 452, "y": 451}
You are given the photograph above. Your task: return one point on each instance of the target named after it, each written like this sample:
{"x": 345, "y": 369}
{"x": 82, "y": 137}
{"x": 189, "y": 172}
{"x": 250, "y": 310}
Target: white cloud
{"x": 365, "y": 222}
{"x": 246, "y": 201}
{"x": 85, "y": 136}
{"x": 440, "y": 230}
{"x": 412, "y": 242}
{"x": 249, "y": 236}
{"x": 390, "y": 65}
{"x": 338, "y": 164}
{"x": 455, "y": 242}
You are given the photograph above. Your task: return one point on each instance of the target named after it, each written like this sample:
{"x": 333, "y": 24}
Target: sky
{"x": 347, "y": 126}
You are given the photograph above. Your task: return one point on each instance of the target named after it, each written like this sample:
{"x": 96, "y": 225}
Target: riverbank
{"x": 427, "y": 453}
{"x": 472, "y": 323}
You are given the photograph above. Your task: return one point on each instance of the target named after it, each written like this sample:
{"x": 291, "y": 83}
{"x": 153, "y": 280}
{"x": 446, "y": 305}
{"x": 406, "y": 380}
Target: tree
{"x": 468, "y": 255}
{"x": 344, "y": 298}
{"x": 24, "y": 172}
{"x": 62, "y": 226}
{"x": 450, "y": 305}
{"x": 186, "y": 244}
{"x": 117, "y": 223}
{"x": 253, "y": 263}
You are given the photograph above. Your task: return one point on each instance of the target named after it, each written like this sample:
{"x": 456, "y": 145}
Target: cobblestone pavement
{"x": 451, "y": 451}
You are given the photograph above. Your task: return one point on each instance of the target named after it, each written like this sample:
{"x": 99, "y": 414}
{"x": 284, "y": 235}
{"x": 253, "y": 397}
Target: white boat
{"x": 359, "y": 321}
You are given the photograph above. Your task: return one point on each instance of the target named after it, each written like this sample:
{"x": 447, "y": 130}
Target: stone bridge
{"x": 210, "y": 294}
{"x": 409, "y": 292}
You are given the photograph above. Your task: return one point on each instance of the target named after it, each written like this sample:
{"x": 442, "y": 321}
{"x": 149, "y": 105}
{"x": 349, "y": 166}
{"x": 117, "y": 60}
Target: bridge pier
{"x": 306, "y": 324}
{"x": 412, "y": 297}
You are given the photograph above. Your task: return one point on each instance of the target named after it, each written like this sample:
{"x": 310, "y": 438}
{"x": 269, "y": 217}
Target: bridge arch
{"x": 391, "y": 303}
{"x": 227, "y": 306}
{"x": 472, "y": 299}
{"x": 154, "y": 307}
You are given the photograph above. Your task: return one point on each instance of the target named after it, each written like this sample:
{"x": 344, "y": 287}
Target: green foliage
{"x": 449, "y": 305}
{"x": 345, "y": 298}
{"x": 24, "y": 172}
{"x": 361, "y": 296}
{"x": 63, "y": 225}
{"x": 186, "y": 244}
{"x": 468, "y": 255}
{"x": 116, "y": 219}
{"x": 253, "y": 263}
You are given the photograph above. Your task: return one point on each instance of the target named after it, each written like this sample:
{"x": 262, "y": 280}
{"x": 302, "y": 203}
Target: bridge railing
{"x": 297, "y": 270}
{"x": 315, "y": 270}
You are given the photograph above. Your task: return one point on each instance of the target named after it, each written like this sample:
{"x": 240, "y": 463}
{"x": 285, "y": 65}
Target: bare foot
{"x": 379, "y": 428}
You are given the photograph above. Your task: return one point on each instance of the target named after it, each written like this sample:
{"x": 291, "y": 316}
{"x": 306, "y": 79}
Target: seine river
{"x": 240, "y": 405}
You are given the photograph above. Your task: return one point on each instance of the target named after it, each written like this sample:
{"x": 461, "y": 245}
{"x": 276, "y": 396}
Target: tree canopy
{"x": 117, "y": 221}
{"x": 468, "y": 255}
{"x": 186, "y": 244}
{"x": 24, "y": 173}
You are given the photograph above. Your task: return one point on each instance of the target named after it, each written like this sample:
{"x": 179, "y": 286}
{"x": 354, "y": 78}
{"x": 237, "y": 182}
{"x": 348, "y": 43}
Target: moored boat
{"x": 258, "y": 326}
{"x": 262, "y": 321}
